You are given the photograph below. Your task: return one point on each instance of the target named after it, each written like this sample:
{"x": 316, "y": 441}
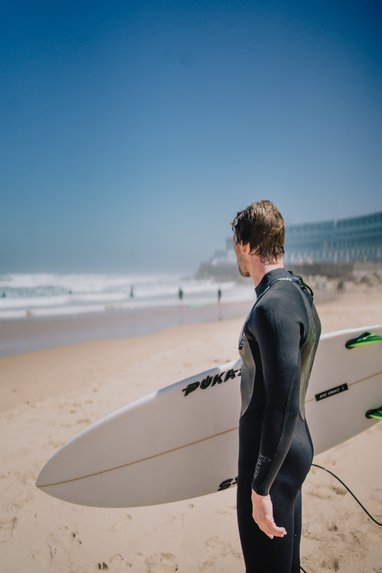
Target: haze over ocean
{"x": 132, "y": 132}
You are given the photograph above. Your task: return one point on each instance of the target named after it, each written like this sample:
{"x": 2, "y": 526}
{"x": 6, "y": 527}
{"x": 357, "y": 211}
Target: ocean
{"x": 27, "y": 295}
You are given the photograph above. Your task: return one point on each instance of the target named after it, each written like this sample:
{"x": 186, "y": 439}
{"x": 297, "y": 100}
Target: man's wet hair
{"x": 262, "y": 226}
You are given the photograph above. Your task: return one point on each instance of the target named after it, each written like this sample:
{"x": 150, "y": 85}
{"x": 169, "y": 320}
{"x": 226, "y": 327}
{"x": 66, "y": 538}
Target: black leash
{"x": 351, "y": 493}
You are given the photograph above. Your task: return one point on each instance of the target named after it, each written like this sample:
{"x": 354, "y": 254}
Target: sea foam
{"x": 49, "y": 294}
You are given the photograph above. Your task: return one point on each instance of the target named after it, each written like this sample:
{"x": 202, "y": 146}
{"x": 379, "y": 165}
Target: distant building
{"x": 357, "y": 239}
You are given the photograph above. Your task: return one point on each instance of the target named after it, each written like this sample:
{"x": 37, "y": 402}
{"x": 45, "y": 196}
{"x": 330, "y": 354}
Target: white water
{"x": 44, "y": 294}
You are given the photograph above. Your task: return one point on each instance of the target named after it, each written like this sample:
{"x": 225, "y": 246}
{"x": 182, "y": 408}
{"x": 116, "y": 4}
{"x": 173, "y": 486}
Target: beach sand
{"x": 47, "y": 396}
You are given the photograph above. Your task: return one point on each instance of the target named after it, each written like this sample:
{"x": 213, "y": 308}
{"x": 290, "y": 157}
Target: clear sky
{"x": 132, "y": 131}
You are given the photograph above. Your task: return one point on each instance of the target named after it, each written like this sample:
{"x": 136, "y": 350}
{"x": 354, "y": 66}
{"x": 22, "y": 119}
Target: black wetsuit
{"x": 277, "y": 345}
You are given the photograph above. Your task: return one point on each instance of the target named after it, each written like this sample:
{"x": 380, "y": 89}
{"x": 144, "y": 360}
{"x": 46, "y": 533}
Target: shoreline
{"x": 23, "y": 335}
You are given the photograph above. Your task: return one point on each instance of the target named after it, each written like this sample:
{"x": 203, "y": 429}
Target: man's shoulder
{"x": 282, "y": 302}
{"x": 280, "y": 294}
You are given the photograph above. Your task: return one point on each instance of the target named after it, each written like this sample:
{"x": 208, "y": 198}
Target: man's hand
{"x": 262, "y": 513}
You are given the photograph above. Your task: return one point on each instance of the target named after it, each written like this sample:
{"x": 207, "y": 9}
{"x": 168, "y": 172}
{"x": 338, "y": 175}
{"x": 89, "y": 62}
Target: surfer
{"x": 278, "y": 343}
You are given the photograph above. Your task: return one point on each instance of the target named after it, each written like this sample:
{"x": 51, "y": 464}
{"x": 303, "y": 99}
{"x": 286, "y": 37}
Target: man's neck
{"x": 259, "y": 269}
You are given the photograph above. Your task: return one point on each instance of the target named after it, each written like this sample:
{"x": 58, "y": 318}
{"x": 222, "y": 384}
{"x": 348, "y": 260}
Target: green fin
{"x": 376, "y": 413}
{"x": 363, "y": 340}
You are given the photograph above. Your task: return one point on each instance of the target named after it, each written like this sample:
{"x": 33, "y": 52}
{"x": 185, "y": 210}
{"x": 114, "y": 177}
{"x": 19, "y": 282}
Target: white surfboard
{"x": 182, "y": 441}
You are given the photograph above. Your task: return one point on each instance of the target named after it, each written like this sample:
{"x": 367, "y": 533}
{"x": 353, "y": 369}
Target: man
{"x": 277, "y": 345}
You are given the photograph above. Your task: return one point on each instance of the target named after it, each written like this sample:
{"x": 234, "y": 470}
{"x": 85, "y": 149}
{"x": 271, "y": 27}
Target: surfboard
{"x": 182, "y": 441}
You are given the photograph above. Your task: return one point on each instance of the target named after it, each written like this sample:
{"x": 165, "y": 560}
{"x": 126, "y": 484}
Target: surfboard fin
{"x": 376, "y": 413}
{"x": 363, "y": 340}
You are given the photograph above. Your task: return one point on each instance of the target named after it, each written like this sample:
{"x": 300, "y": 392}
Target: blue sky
{"x": 131, "y": 132}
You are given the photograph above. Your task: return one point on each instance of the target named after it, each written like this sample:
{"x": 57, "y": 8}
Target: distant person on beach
{"x": 277, "y": 344}
{"x": 219, "y": 294}
{"x": 132, "y": 291}
{"x": 180, "y": 293}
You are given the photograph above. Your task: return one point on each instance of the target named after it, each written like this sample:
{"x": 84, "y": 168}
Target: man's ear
{"x": 245, "y": 248}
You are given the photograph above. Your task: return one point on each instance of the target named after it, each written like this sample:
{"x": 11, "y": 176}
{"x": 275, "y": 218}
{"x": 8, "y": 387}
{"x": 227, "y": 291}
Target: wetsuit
{"x": 277, "y": 345}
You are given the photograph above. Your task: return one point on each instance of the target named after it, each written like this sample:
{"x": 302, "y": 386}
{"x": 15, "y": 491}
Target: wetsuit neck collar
{"x": 269, "y": 278}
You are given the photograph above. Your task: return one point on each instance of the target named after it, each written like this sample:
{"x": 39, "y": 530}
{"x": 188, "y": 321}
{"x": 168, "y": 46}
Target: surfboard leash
{"x": 351, "y": 493}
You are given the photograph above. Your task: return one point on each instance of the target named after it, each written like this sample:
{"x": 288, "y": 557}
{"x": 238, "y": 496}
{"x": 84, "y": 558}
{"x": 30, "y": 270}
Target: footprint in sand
{"x": 161, "y": 563}
{"x": 207, "y": 565}
{"x": 220, "y": 546}
{"x": 117, "y": 561}
{"x": 58, "y": 548}
{"x": 83, "y": 421}
{"x": 7, "y": 528}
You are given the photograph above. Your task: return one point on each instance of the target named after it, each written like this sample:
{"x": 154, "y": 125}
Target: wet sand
{"x": 18, "y": 336}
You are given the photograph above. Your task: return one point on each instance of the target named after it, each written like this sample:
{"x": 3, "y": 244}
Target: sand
{"x": 49, "y": 395}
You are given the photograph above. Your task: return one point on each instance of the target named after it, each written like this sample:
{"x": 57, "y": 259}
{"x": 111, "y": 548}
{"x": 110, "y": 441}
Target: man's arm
{"x": 278, "y": 333}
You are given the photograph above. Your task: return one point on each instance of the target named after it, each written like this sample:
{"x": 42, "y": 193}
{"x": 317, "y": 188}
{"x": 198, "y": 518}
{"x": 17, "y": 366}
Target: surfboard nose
{"x": 41, "y": 481}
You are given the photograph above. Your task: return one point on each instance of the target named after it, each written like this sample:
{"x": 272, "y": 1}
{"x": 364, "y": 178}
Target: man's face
{"x": 241, "y": 258}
